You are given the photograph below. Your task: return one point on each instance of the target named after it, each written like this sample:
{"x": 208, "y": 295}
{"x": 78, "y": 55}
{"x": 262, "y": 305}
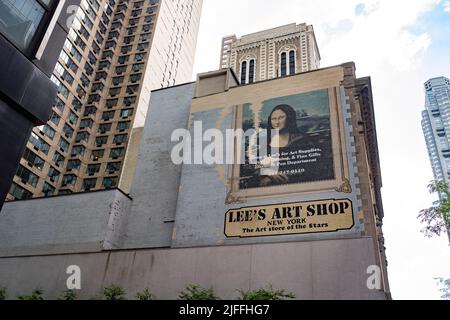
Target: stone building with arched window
{"x": 272, "y": 53}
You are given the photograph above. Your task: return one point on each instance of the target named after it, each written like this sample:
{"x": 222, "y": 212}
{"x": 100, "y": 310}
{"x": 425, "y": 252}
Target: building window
{"x": 113, "y": 167}
{"x": 110, "y": 182}
{"x": 89, "y": 184}
{"x": 63, "y": 144}
{"x": 125, "y": 113}
{"x": 33, "y": 159}
{"x": 78, "y": 150}
{"x": 68, "y": 131}
{"x": 53, "y": 174}
{"x": 38, "y": 143}
{"x": 46, "y": 130}
{"x": 251, "y": 73}
{"x": 86, "y": 123}
{"x": 137, "y": 67}
{"x": 73, "y": 165}
{"x": 108, "y": 115}
{"x": 82, "y": 136}
{"x": 97, "y": 154}
{"x": 27, "y": 176}
{"x": 291, "y": 62}
{"x": 48, "y": 190}
{"x": 21, "y": 20}
{"x": 128, "y": 101}
{"x": 120, "y": 138}
{"x": 55, "y": 118}
{"x": 93, "y": 169}
{"x": 19, "y": 193}
{"x": 283, "y": 64}
{"x": 100, "y": 141}
{"x": 104, "y": 127}
{"x": 244, "y": 72}
{"x": 59, "y": 104}
{"x": 69, "y": 179}
{"x": 59, "y": 159}
{"x": 116, "y": 153}
{"x": 121, "y": 126}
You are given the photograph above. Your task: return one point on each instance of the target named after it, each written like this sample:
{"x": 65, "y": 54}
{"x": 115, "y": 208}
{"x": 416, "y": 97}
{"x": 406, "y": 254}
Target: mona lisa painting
{"x": 287, "y": 141}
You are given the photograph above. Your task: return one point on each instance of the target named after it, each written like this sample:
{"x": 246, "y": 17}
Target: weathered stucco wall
{"x": 75, "y": 223}
{"x": 311, "y": 270}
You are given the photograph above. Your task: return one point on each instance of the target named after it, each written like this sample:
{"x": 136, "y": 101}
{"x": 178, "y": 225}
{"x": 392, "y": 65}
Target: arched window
{"x": 251, "y": 74}
{"x": 283, "y": 64}
{"x": 292, "y": 62}
{"x": 244, "y": 72}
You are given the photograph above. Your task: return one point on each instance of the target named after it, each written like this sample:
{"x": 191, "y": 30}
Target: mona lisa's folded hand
{"x": 273, "y": 180}
{"x": 279, "y": 178}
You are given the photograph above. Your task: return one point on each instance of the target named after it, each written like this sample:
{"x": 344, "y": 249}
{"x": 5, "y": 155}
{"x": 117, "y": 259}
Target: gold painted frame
{"x": 341, "y": 183}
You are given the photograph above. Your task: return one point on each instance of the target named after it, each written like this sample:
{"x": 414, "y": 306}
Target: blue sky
{"x": 400, "y": 44}
{"x": 437, "y": 58}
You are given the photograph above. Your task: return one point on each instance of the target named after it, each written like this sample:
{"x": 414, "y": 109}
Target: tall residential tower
{"x": 117, "y": 52}
{"x": 32, "y": 34}
{"x": 272, "y": 53}
{"x": 436, "y": 126}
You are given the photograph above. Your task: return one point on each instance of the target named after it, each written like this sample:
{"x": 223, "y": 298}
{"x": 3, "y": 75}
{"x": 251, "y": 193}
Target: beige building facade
{"x": 116, "y": 53}
{"x": 268, "y": 54}
{"x": 311, "y": 224}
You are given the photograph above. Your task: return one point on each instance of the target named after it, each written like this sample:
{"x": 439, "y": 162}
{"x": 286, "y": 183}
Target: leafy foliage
{"x": 69, "y": 295}
{"x": 3, "y": 294}
{"x": 35, "y": 295}
{"x": 437, "y": 217}
{"x": 114, "y": 292}
{"x": 145, "y": 295}
{"x": 444, "y": 287}
{"x": 265, "y": 294}
{"x": 194, "y": 292}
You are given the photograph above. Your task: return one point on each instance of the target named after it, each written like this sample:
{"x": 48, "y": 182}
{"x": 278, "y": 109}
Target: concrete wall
{"x": 84, "y": 222}
{"x": 202, "y": 203}
{"x": 157, "y": 179}
{"x": 314, "y": 270}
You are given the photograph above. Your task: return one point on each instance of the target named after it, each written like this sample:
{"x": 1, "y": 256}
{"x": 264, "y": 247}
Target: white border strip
{"x": 50, "y": 29}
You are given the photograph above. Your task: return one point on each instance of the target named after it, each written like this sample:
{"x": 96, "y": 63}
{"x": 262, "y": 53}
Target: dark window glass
{"x": 244, "y": 72}
{"x": 20, "y": 20}
{"x": 20, "y": 193}
{"x": 283, "y": 64}
{"x": 27, "y": 176}
{"x": 251, "y": 73}
{"x": 292, "y": 62}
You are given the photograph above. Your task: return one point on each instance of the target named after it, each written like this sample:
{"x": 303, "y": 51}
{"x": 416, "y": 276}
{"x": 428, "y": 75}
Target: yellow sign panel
{"x": 291, "y": 218}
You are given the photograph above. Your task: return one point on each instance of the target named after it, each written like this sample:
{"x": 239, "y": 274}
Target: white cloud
{"x": 380, "y": 37}
{"x": 447, "y": 6}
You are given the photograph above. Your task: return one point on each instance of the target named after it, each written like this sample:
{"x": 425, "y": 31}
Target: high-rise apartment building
{"x": 32, "y": 33}
{"x": 116, "y": 52}
{"x": 272, "y": 53}
{"x": 436, "y": 126}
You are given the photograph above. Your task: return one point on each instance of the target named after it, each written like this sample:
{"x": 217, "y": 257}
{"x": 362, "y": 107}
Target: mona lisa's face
{"x": 278, "y": 119}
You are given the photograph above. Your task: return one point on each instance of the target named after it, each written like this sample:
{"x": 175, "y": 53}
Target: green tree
{"x": 3, "y": 294}
{"x": 145, "y": 295}
{"x": 35, "y": 295}
{"x": 114, "y": 292}
{"x": 69, "y": 295}
{"x": 444, "y": 287}
{"x": 265, "y": 294}
{"x": 437, "y": 217}
{"x": 194, "y": 292}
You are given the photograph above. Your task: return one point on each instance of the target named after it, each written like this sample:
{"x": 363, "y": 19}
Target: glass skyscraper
{"x": 436, "y": 126}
